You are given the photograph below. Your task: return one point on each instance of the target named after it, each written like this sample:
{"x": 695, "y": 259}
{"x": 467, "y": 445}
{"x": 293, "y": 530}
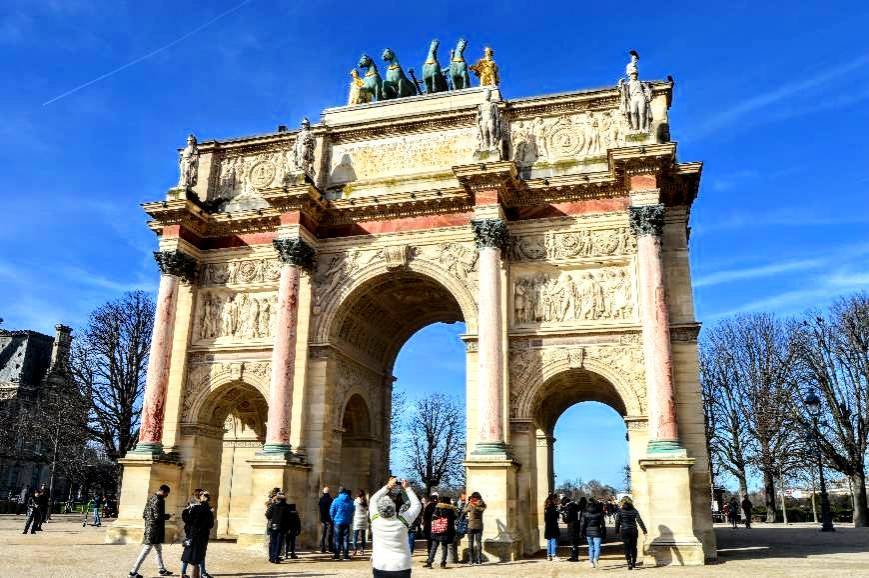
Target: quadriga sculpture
{"x": 432, "y": 73}
{"x": 371, "y": 83}
{"x": 396, "y": 84}
{"x": 459, "y": 74}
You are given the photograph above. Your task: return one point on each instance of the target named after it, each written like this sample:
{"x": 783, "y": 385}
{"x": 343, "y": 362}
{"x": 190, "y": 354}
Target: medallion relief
{"x": 231, "y": 316}
{"x": 565, "y": 246}
{"x": 241, "y": 272}
{"x": 574, "y": 297}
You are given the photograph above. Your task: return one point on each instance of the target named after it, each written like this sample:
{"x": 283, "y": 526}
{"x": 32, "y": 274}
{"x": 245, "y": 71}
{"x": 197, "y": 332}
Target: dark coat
{"x": 447, "y": 511}
{"x": 278, "y": 514}
{"x": 550, "y": 523}
{"x": 199, "y": 519}
{"x": 733, "y": 510}
{"x": 295, "y": 523}
{"x": 325, "y": 504}
{"x": 746, "y": 507}
{"x": 594, "y": 523}
{"x": 155, "y": 517}
{"x": 627, "y": 520}
{"x": 426, "y": 519}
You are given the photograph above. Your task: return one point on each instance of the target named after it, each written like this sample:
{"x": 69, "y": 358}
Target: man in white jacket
{"x": 390, "y": 552}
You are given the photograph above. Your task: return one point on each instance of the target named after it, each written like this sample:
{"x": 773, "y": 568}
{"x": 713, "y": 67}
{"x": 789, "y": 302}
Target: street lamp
{"x": 813, "y": 405}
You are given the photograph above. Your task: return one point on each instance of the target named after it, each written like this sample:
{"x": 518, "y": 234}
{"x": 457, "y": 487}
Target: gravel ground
{"x": 66, "y": 549}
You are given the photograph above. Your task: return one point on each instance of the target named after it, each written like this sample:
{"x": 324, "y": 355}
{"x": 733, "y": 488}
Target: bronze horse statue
{"x": 459, "y": 74}
{"x": 432, "y": 73}
{"x": 372, "y": 84}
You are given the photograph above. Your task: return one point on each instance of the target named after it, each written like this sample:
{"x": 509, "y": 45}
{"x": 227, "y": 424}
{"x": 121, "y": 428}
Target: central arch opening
{"x": 405, "y": 311}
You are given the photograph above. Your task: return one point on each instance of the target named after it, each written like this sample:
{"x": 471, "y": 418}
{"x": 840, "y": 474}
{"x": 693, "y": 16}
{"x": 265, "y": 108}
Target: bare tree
{"x": 435, "y": 445}
{"x": 397, "y": 425}
{"x": 833, "y": 354}
{"x": 109, "y": 362}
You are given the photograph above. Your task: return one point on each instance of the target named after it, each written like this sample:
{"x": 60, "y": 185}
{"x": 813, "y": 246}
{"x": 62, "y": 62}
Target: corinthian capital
{"x": 295, "y": 252}
{"x": 176, "y": 263}
{"x": 647, "y": 220}
{"x": 490, "y": 233}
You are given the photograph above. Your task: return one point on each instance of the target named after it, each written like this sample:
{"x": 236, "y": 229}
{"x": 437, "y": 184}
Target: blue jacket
{"x": 342, "y": 510}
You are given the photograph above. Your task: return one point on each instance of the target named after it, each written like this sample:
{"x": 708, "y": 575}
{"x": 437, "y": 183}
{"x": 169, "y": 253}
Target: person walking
{"x": 443, "y": 530}
{"x": 278, "y": 518}
{"x": 341, "y": 511}
{"x": 390, "y": 547}
{"x": 747, "y": 507}
{"x": 733, "y": 512}
{"x": 430, "y": 505}
{"x": 360, "y": 521}
{"x": 326, "y": 522}
{"x": 293, "y": 531}
{"x": 570, "y": 516}
{"x": 32, "y": 522}
{"x": 594, "y": 530}
{"x": 474, "y": 513}
{"x": 626, "y": 522}
{"x": 96, "y": 504}
{"x": 198, "y": 523}
{"x": 155, "y": 517}
{"x": 42, "y": 502}
{"x": 550, "y": 526}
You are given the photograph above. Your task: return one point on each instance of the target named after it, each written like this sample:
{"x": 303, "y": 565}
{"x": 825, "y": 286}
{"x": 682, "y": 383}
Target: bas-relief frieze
{"x": 624, "y": 359}
{"x": 230, "y": 316}
{"x": 241, "y": 272}
{"x": 203, "y": 373}
{"x": 238, "y": 174}
{"x": 404, "y": 155}
{"x": 564, "y": 246}
{"x": 574, "y": 296}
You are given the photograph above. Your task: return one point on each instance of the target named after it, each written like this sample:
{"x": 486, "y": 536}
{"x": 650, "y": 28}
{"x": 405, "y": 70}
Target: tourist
{"x": 461, "y": 504}
{"x": 96, "y": 504}
{"x": 293, "y": 530}
{"x": 474, "y": 514}
{"x": 550, "y": 526}
{"x": 627, "y": 520}
{"x": 326, "y": 522}
{"x": 42, "y": 502}
{"x": 570, "y": 516}
{"x": 32, "y": 523}
{"x": 746, "y": 511}
{"x": 155, "y": 517}
{"x": 278, "y": 516}
{"x": 360, "y": 521}
{"x": 341, "y": 512}
{"x": 733, "y": 512}
{"x": 413, "y": 530}
{"x": 198, "y": 521}
{"x": 427, "y": 512}
{"x": 390, "y": 549}
{"x": 443, "y": 530}
{"x": 594, "y": 530}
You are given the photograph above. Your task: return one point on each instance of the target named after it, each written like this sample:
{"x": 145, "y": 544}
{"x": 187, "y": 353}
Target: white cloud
{"x": 730, "y": 275}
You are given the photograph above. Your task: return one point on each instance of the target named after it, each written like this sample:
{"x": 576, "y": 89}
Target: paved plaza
{"x": 68, "y": 550}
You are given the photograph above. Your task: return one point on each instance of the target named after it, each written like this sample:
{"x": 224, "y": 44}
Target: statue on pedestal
{"x": 303, "y": 152}
{"x": 458, "y": 67}
{"x": 489, "y": 127}
{"x": 432, "y": 74}
{"x": 189, "y": 164}
{"x": 486, "y": 69}
{"x": 636, "y": 97}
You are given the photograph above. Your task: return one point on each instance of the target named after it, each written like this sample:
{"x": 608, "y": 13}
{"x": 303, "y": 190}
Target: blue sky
{"x": 773, "y": 97}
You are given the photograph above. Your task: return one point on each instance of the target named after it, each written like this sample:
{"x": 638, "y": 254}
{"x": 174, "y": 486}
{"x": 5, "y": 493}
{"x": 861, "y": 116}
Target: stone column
{"x": 174, "y": 266}
{"x": 647, "y": 223}
{"x": 294, "y": 255}
{"x": 490, "y": 236}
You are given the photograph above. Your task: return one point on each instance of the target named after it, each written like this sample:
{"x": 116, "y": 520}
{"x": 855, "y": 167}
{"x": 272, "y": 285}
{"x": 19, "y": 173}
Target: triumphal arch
{"x": 295, "y": 264}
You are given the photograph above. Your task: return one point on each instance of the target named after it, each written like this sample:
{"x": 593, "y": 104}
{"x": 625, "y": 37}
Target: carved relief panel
{"x": 241, "y": 272}
{"x": 570, "y": 245}
{"x": 573, "y": 297}
{"x": 225, "y": 316}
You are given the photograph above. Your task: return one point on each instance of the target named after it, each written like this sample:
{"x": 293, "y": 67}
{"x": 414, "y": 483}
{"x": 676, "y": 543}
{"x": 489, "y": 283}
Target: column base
{"x": 495, "y": 478}
{"x": 148, "y": 448}
{"x": 143, "y": 475}
{"x": 671, "y": 538}
{"x": 491, "y": 450}
{"x": 666, "y": 447}
{"x": 272, "y": 449}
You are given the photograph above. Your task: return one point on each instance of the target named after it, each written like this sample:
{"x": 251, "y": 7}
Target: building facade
{"x": 296, "y": 264}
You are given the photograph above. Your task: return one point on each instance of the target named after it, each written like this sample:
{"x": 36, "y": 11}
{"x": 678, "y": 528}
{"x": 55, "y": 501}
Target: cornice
{"x": 501, "y": 176}
{"x": 396, "y": 205}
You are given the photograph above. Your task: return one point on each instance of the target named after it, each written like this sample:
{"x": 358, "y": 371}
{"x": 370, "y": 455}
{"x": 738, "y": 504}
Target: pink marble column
{"x": 173, "y": 265}
{"x": 491, "y": 235}
{"x": 294, "y": 254}
{"x": 647, "y": 223}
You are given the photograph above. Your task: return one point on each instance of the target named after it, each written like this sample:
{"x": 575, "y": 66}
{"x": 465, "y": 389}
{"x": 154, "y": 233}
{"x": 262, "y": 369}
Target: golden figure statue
{"x": 486, "y": 69}
{"x": 358, "y": 95}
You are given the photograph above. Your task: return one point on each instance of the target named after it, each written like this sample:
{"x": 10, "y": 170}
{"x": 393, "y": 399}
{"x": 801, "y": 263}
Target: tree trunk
{"x": 743, "y": 485}
{"x": 858, "y": 493}
{"x": 769, "y": 496}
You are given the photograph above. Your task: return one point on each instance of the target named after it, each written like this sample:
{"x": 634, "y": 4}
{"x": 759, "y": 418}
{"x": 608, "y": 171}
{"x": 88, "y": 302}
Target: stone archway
{"x": 357, "y": 444}
{"x": 231, "y": 420}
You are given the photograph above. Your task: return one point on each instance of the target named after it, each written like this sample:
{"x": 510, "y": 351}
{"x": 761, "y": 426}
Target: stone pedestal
{"x": 495, "y": 479}
{"x": 272, "y": 471}
{"x": 143, "y": 475}
{"x": 671, "y": 538}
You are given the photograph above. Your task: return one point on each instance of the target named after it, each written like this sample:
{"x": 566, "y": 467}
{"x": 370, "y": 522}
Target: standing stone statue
{"x": 489, "y": 125}
{"x": 189, "y": 164}
{"x": 303, "y": 151}
{"x": 486, "y": 69}
{"x": 636, "y": 97}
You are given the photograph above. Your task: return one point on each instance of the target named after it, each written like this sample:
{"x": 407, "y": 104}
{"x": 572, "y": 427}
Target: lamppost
{"x": 813, "y": 405}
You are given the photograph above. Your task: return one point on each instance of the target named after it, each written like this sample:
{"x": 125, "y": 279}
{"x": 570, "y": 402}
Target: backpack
{"x": 462, "y": 525}
{"x": 439, "y": 525}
